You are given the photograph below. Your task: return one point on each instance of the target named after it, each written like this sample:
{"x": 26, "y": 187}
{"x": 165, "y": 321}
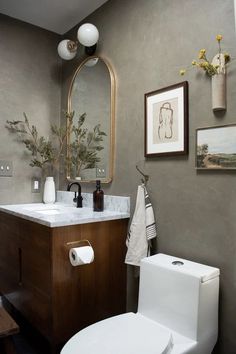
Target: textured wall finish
{"x": 29, "y": 82}
{"x": 148, "y": 42}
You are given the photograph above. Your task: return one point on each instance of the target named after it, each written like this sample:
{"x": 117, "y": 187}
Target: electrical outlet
{"x": 101, "y": 172}
{"x": 35, "y": 185}
{"x": 6, "y": 168}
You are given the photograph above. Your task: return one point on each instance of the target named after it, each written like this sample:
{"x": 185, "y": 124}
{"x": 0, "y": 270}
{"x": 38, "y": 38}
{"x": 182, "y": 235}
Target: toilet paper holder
{"x": 78, "y": 243}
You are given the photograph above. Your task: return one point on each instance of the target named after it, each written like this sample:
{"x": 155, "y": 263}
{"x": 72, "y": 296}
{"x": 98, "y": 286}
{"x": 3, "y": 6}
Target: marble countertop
{"x": 61, "y": 214}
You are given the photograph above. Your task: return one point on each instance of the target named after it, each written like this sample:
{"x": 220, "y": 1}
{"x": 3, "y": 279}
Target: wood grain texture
{"x": 9, "y": 241}
{"x": 25, "y": 262}
{"x": 58, "y": 299}
{"x": 97, "y": 290}
{"x": 8, "y": 326}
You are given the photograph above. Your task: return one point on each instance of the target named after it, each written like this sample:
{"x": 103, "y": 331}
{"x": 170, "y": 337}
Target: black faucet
{"x": 79, "y": 198}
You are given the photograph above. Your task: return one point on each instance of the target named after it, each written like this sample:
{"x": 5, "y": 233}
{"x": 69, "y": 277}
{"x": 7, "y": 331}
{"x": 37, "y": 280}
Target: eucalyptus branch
{"x": 41, "y": 149}
{"x": 61, "y": 135}
{"x": 33, "y": 133}
{"x": 82, "y": 150}
{"x": 85, "y": 146}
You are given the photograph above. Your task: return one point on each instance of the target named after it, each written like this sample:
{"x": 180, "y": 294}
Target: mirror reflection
{"x": 90, "y": 122}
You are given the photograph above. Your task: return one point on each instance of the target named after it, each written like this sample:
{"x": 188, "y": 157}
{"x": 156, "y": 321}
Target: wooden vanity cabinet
{"x": 9, "y": 256}
{"x": 37, "y": 278}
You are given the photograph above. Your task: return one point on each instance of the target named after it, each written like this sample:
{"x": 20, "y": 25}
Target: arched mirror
{"x": 91, "y": 122}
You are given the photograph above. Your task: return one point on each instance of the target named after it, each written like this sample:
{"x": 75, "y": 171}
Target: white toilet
{"x": 177, "y": 313}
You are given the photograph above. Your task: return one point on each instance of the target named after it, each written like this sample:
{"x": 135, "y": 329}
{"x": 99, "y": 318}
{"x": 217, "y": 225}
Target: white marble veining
{"x": 111, "y": 202}
{"x": 64, "y": 214}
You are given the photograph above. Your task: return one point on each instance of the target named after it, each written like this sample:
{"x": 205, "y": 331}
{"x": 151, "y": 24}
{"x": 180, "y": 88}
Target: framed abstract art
{"x": 166, "y": 121}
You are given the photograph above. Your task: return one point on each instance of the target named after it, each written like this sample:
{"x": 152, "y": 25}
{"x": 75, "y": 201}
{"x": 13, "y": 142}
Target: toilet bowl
{"x": 177, "y": 313}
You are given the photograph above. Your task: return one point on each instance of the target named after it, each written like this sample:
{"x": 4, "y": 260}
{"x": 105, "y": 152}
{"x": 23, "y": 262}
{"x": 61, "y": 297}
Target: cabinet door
{"x": 105, "y": 292}
{"x": 86, "y": 294}
{"x": 9, "y": 256}
{"x": 35, "y": 301}
{"x": 25, "y": 269}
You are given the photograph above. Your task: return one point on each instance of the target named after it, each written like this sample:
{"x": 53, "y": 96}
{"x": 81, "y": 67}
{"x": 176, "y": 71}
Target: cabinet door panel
{"x": 36, "y": 308}
{"x": 9, "y": 255}
{"x": 35, "y": 241}
{"x": 108, "y": 284}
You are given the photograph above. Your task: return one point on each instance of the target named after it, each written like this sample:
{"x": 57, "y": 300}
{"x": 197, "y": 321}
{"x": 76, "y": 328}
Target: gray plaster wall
{"x": 148, "y": 41}
{"x": 29, "y": 82}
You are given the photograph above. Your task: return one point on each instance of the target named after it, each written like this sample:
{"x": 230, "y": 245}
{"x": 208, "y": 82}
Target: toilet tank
{"x": 181, "y": 295}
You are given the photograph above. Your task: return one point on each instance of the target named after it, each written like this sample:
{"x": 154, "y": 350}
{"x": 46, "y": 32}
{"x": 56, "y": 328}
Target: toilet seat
{"x": 124, "y": 334}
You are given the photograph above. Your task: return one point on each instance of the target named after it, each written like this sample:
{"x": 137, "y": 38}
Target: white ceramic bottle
{"x": 49, "y": 193}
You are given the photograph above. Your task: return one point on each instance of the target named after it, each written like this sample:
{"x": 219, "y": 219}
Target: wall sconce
{"x": 87, "y": 35}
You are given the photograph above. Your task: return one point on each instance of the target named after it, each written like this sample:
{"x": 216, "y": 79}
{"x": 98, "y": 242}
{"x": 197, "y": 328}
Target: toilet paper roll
{"x": 81, "y": 255}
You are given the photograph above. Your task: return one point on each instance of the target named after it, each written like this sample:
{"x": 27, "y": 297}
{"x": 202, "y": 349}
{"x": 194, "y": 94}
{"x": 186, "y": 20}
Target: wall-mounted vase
{"x": 219, "y": 92}
{"x": 219, "y": 84}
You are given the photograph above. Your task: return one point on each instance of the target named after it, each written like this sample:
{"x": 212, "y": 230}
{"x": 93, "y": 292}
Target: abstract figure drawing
{"x": 165, "y": 127}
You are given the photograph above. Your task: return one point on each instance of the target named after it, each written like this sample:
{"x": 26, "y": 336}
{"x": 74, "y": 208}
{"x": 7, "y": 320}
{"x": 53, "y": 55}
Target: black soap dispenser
{"x": 98, "y": 197}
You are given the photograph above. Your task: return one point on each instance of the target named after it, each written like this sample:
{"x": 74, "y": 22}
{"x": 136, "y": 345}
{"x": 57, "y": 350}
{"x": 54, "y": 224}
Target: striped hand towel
{"x": 151, "y": 231}
{"x": 142, "y": 229}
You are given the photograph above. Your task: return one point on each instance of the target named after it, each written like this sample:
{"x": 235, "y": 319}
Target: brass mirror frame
{"x": 112, "y": 118}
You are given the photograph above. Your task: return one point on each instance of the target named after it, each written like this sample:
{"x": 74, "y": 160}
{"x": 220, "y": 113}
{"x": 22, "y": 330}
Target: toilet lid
{"x": 124, "y": 334}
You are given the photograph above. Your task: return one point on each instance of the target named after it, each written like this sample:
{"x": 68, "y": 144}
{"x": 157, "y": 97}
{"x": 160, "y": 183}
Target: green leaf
{"x": 84, "y": 147}
{"x": 102, "y": 133}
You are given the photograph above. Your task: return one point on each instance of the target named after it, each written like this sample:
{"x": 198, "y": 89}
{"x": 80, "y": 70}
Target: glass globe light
{"x": 91, "y": 62}
{"x": 88, "y": 34}
{"x": 63, "y": 50}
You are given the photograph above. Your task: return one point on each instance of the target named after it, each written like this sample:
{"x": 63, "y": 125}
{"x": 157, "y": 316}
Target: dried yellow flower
{"x": 204, "y": 64}
{"x": 218, "y": 64}
{"x": 202, "y": 53}
{"x": 219, "y": 37}
{"x": 227, "y": 57}
{"x": 182, "y": 72}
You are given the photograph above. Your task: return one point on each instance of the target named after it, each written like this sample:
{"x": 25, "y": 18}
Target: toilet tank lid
{"x": 201, "y": 271}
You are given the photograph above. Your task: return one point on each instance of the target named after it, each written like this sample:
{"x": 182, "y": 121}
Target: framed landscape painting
{"x": 216, "y": 147}
{"x": 166, "y": 121}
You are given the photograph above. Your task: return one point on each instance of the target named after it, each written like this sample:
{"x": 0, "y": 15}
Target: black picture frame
{"x": 166, "y": 121}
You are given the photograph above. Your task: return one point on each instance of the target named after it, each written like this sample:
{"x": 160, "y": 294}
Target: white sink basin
{"x": 49, "y": 211}
{"x": 55, "y": 209}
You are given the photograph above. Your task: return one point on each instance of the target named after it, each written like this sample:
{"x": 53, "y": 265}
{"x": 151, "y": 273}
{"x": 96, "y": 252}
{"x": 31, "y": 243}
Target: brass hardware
{"x": 78, "y": 242}
{"x": 112, "y": 117}
{"x": 72, "y": 46}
